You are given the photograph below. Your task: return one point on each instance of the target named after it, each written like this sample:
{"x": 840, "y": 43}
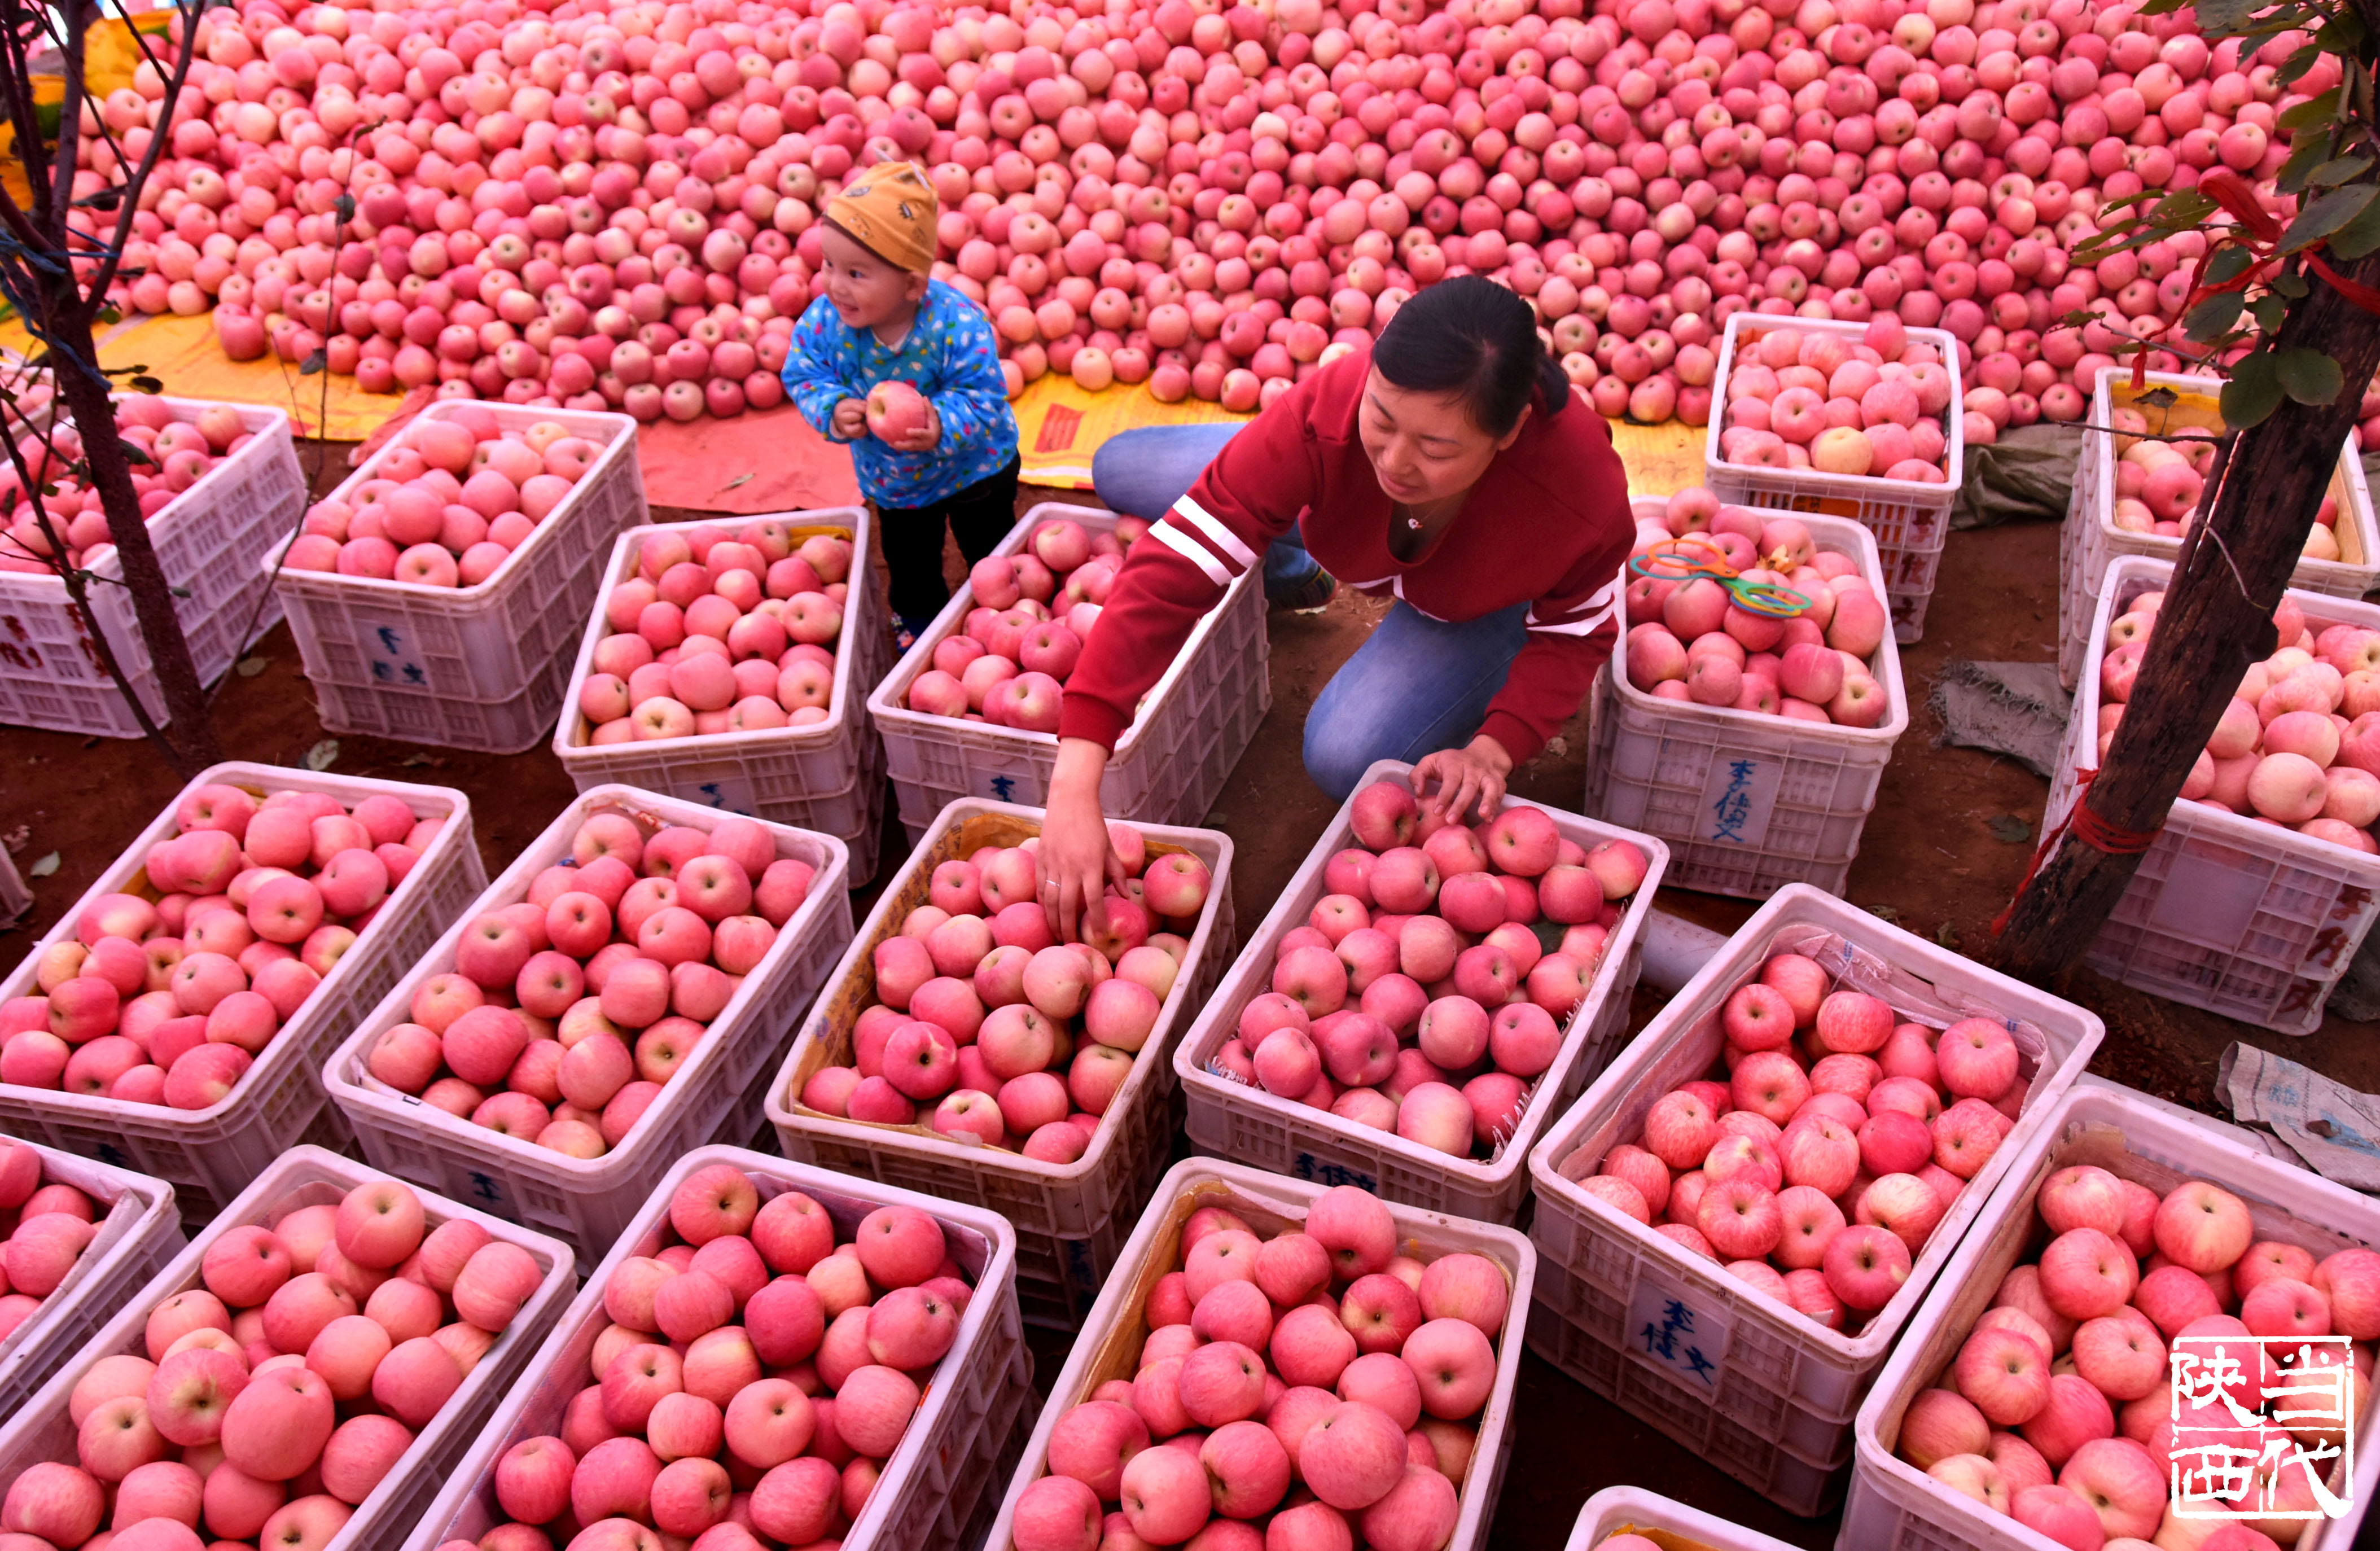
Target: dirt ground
{"x": 1930, "y": 860}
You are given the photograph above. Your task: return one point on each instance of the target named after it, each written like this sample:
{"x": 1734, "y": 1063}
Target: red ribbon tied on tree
{"x": 2257, "y": 232}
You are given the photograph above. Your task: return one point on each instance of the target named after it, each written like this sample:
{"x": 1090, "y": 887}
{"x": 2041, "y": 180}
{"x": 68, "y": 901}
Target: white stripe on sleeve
{"x": 1224, "y": 540}
{"x": 1181, "y": 544}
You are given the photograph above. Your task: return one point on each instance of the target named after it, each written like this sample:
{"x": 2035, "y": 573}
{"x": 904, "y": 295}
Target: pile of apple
{"x": 598, "y": 206}
{"x": 273, "y": 1398}
{"x": 1419, "y": 997}
{"x": 1812, "y": 666}
{"x": 451, "y": 501}
{"x": 169, "y": 1001}
{"x": 754, "y": 1379}
{"x": 1305, "y": 1387}
{"x": 2299, "y": 745}
{"x": 999, "y": 1033}
{"x": 2060, "y": 1408}
{"x": 50, "y": 1226}
{"x": 2159, "y": 483}
{"x": 719, "y": 633}
{"x": 1837, "y": 1142}
{"x": 567, "y": 1015}
{"x": 172, "y": 457}
{"x": 1816, "y": 401}
{"x": 1033, "y": 611}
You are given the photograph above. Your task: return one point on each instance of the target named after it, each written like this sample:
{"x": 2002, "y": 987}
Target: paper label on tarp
{"x": 1673, "y": 1331}
{"x": 394, "y": 661}
{"x": 2334, "y": 1128}
{"x": 1738, "y": 797}
{"x": 2210, "y": 900}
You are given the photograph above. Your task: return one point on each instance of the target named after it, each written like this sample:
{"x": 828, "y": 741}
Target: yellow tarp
{"x": 1060, "y": 426}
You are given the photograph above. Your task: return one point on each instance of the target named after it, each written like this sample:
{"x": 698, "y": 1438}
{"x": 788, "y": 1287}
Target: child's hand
{"x": 850, "y": 422}
{"x": 926, "y": 437}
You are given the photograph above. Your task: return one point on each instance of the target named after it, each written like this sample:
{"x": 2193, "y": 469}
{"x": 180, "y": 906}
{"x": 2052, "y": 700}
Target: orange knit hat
{"x": 891, "y": 209}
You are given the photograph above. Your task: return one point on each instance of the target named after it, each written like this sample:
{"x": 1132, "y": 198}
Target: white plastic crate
{"x": 2226, "y": 912}
{"x": 307, "y": 1177}
{"x": 2090, "y": 539}
{"x": 209, "y": 542}
{"x": 1112, "y": 1333}
{"x": 139, "y": 1231}
{"x": 1070, "y": 1218}
{"x": 809, "y": 777}
{"x": 1772, "y": 1397}
{"x": 1664, "y": 765}
{"x": 922, "y": 1501}
{"x": 1169, "y": 766}
{"x": 1625, "y": 1510}
{"x": 1240, "y": 1121}
{"x": 1911, "y": 521}
{"x": 209, "y": 1156}
{"x": 479, "y": 667}
{"x": 714, "y": 1096}
{"x": 1894, "y": 1507}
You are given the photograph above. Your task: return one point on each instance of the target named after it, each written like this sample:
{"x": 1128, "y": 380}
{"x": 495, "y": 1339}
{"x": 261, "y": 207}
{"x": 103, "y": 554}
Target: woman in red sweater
{"x": 1442, "y": 467}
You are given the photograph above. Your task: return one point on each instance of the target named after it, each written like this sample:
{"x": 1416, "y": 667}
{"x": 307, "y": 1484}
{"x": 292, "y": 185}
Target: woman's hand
{"x": 1473, "y": 775}
{"x": 1077, "y": 859}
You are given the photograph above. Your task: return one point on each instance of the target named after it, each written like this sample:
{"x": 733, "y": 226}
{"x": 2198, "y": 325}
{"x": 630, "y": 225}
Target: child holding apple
{"x": 902, "y": 367}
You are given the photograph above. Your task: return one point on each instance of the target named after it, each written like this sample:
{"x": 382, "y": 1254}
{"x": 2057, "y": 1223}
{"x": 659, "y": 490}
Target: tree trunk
{"x": 2216, "y": 620}
{"x": 188, "y": 738}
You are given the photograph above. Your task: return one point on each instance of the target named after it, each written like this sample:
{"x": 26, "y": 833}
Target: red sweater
{"x": 1547, "y": 525}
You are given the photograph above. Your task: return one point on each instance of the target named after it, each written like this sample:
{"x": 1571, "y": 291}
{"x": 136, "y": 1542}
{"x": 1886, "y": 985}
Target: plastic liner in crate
{"x": 139, "y": 1231}
{"x": 1633, "y": 1510}
{"x": 306, "y": 1177}
{"x": 2090, "y": 540}
{"x": 1910, "y": 520}
{"x": 920, "y": 1502}
{"x": 808, "y": 776}
{"x": 2226, "y": 911}
{"x": 1747, "y": 802}
{"x": 1070, "y": 1218}
{"x": 1761, "y": 1390}
{"x": 1240, "y": 1121}
{"x": 1117, "y": 1325}
{"x": 1894, "y": 1507}
{"x": 479, "y": 667}
{"x": 1169, "y": 766}
{"x": 714, "y": 1096}
{"x": 209, "y": 1156}
{"x": 209, "y": 542}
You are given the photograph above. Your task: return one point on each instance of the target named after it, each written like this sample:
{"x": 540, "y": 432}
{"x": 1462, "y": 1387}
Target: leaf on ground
{"x": 44, "y": 867}
{"x": 2008, "y": 829}
{"x": 415, "y": 761}
{"x": 1882, "y": 912}
{"x": 1946, "y": 934}
{"x": 248, "y": 667}
{"x": 736, "y": 483}
{"x": 322, "y": 756}
{"x": 1556, "y": 746}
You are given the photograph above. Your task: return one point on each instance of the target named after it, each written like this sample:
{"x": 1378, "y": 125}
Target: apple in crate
{"x": 1319, "y": 1354}
{"x": 54, "y": 1223}
{"x": 1430, "y": 988}
{"x": 754, "y": 1380}
{"x": 168, "y": 1000}
{"x": 984, "y": 1029}
{"x": 1817, "y": 1160}
{"x": 566, "y": 1015}
{"x": 267, "y": 1402}
{"x": 2060, "y": 1408}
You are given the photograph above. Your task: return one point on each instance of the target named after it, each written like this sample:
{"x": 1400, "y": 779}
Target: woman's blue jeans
{"x": 1416, "y": 686}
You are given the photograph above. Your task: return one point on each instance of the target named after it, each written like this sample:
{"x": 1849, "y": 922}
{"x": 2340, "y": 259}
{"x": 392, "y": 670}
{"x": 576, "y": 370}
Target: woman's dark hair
{"x": 1472, "y": 338}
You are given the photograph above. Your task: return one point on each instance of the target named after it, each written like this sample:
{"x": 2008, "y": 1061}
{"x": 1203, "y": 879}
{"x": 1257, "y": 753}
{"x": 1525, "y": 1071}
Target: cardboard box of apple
{"x": 448, "y": 504}
{"x": 719, "y": 632}
{"x": 1431, "y": 987}
{"x": 173, "y": 455}
{"x": 566, "y": 1013}
{"x": 1295, "y": 1384}
{"x": 758, "y": 1374}
{"x": 168, "y": 1000}
{"x": 1691, "y": 639}
{"x": 1817, "y": 1162}
{"x": 1815, "y": 401}
{"x": 1009, "y": 661}
{"x": 2060, "y": 1408}
{"x": 981, "y": 1025}
{"x": 266, "y": 1402}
